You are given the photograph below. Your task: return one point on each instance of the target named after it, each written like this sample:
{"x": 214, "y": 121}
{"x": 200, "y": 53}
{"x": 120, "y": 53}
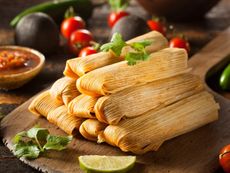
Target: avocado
{"x": 38, "y": 31}
{"x": 129, "y": 27}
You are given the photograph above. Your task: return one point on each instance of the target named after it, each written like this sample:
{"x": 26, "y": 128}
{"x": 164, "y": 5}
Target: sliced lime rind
{"x": 106, "y": 164}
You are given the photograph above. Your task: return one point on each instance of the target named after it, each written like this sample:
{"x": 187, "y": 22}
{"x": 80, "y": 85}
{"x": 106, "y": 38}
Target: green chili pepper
{"x": 56, "y": 9}
{"x": 225, "y": 78}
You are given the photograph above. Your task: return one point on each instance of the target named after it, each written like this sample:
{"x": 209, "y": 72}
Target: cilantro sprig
{"x": 117, "y": 43}
{"x": 30, "y": 144}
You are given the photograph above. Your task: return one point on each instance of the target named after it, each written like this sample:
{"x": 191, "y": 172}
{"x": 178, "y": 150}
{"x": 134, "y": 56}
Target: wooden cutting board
{"x": 194, "y": 152}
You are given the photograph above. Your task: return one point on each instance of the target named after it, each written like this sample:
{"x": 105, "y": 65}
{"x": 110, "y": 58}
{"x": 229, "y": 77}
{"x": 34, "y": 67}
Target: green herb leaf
{"x": 26, "y": 149}
{"x": 116, "y": 44}
{"x": 38, "y": 133}
{"x": 134, "y": 57}
{"x": 18, "y": 137}
{"x": 118, "y": 5}
{"x": 36, "y": 140}
{"x": 140, "y": 46}
{"x": 140, "y": 54}
{"x": 57, "y": 142}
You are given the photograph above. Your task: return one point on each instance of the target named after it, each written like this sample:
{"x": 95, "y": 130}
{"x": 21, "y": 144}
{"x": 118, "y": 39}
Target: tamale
{"x": 147, "y": 132}
{"x": 90, "y": 129}
{"x": 116, "y": 77}
{"x": 136, "y": 100}
{"x": 68, "y": 123}
{"x": 79, "y": 66}
{"x": 64, "y": 90}
{"x": 82, "y": 106}
{"x": 43, "y": 104}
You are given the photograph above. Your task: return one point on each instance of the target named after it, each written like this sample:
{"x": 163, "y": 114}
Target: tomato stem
{"x": 95, "y": 45}
{"x": 70, "y": 12}
{"x": 118, "y": 5}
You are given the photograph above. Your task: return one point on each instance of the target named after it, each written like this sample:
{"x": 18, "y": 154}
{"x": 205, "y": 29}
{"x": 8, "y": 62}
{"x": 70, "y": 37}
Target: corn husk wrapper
{"x": 43, "y": 104}
{"x": 136, "y": 100}
{"x": 147, "y": 132}
{"x": 82, "y": 106}
{"x": 68, "y": 123}
{"x": 79, "y": 66}
{"x": 116, "y": 77}
{"x": 91, "y": 128}
{"x": 64, "y": 90}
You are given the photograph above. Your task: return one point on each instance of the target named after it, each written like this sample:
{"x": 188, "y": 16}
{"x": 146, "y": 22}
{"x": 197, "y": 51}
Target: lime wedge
{"x": 102, "y": 164}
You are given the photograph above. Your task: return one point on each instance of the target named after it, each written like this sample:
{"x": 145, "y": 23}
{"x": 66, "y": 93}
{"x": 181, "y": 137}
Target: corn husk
{"x": 68, "y": 123}
{"x": 136, "y": 100}
{"x": 90, "y": 129}
{"x": 147, "y": 132}
{"x": 43, "y": 104}
{"x": 116, "y": 77}
{"x": 64, "y": 90}
{"x": 79, "y": 66}
{"x": 82, "y": 106}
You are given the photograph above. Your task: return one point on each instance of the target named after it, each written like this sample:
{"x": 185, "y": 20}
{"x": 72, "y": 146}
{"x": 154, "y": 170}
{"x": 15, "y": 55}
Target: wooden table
{"x": 198, "y": 33}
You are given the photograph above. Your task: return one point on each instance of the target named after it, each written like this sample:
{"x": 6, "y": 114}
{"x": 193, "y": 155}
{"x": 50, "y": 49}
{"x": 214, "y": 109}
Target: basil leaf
{"x": 57, "y": 142}
{"x": 116, "y": 44}
{"x": 26, "y": 149}
{"x": 37, "y": 133}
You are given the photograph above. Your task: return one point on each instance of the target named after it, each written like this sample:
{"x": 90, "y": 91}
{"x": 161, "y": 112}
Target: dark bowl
{"x": 179, "y": 10}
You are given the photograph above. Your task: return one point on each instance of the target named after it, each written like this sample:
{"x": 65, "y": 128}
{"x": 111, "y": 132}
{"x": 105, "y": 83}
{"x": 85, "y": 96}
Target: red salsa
{"x": 14, "y": 61}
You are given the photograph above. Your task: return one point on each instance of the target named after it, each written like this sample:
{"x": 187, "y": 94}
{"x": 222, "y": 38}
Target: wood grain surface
{"x": 196, "y": 151}
{"x": 199, "y": 33}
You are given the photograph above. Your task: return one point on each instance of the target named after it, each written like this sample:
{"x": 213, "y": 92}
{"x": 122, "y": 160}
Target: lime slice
{"x": 111, "y": 164}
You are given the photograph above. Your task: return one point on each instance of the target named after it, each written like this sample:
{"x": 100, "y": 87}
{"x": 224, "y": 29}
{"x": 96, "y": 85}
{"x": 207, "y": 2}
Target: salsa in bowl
{"x": 18, "y": 65}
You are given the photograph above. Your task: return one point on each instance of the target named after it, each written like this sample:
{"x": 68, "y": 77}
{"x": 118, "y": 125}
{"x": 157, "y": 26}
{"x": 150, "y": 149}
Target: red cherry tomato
{"x": 70, "y": 25}
{"x": 79, "y": 39}
{"x": 87, "y": 51}
{"x": 156, "y": 26}
{"x": 115, "y": 16}
{"x": 179, "y": 43}
{"x": 224, "y": 158}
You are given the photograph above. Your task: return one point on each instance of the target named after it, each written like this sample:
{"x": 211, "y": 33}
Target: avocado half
{"x": 38, "y": 31}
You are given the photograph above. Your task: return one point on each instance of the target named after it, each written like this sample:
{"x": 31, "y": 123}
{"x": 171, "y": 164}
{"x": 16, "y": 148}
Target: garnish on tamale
{"x": 79, "y": 66}
{"x": 116, "y": 77}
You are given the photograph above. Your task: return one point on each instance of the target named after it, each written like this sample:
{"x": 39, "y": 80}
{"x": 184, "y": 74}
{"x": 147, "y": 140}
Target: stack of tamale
{"x": 135, "y": 108}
